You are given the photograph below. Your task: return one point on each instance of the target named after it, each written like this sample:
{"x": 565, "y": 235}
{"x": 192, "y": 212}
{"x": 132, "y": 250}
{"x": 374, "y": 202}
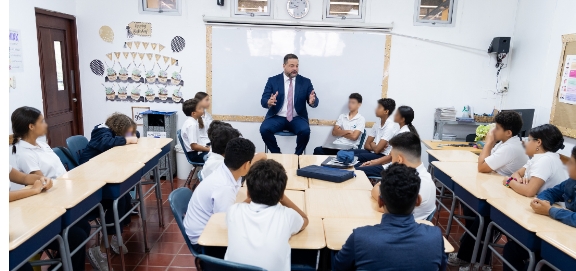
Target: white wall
{"x": 537, "y": 47}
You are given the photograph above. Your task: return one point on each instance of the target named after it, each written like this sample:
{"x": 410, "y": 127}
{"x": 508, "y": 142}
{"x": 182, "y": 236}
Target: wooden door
{"x": 57, "y": 51}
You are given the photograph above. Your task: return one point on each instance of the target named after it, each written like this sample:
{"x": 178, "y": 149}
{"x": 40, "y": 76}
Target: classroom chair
{"x": 281, "y": 133}
{"x": 65, "y": 158}
{"x": 362, "y": 138}
{"x": 76, "y": 144}
{"x": 178, "y": 200}
{"x": 209, "y": 263}
{"x": 197, "y": 166}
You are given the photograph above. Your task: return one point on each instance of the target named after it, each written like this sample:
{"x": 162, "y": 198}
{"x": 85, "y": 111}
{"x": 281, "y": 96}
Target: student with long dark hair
{"x": 206, "y": 118}
{"x": 194, "y": 144}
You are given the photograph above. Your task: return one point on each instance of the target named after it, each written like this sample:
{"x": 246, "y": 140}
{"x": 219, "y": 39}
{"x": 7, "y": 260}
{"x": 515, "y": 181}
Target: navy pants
{"x": 365, "y": 156}
{"x": 325, "y": 151}
{"x": 197, "y": 157}
{"x": 275, "y": 124}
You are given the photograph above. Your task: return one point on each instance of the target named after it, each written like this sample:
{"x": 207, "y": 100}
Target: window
{"x": 166, "y": 7}
{"x": 344, "y": 9}
{"x": 252, "y": 7}
{"x": 434, "y": 12}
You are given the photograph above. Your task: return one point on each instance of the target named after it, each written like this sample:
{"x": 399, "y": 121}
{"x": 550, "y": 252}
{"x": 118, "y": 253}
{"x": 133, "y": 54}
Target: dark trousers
{"x": 371, "y": 171}
{"x": 197, "y": 157}
{"x": 467, "y": 242}
{"x": 124, "y": 205}
{"x": 76, "y": 235}
{"x": 275, "y": 124}
{"x": 325, "y": 151}
{"x": 365, "y": 156}
{"x": 518, "y": 257}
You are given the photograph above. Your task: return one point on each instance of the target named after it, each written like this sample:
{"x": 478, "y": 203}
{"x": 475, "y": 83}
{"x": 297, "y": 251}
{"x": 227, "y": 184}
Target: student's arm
{"x": 379, "y": 161}
{"x": 389, "y": 133}
{"x": 192, "y": 134}
{"x": 337, "y": 131}
{"x": 495, "y": 161}
{"x": 36, "y": 188}
{"x": 368, "y": 143}
{"x": 553, "y": 194}
{"x": 108, "y": 141}
{"x": 258, "y": 157}
{"x": 378, "y": 148}
{"x": 527, "y": 189}
{"x": 354, "y": 135}
{"x": 288, "y": 203}
{"x": 518, "y": 175}
{"x": 540, "y": 171}
{"x": 198, "y": 147}
{"x": 345, "y": 258}
{"x": 544, "y": 207}
{"x": 27, "y": 179}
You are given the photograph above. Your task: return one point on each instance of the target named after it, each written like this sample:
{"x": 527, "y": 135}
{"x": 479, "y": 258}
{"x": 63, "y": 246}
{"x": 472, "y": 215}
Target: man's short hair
{"x": 215, "y": 124}
{"x": 356, "y": 96}
{"x": 509, "y": 120}
{"x": 238, "y": 152}
{"x": 289, "y": 56}
{"x": 266, "y": 182}
{"x": 220, "y": 138}
{"x": 388, "y": 104}
{"x": 407, "y": 143}
{"x": 399, "y": 189}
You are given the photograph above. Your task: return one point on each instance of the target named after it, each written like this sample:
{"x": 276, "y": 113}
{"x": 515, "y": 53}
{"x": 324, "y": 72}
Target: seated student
{"x": 398, "y": 242}
{"x": 563, "y": 192}
{"x": 404, "y": 117}
{"x": 406, "y": 150}
{"x": 218, "y": 191}
{"x": 508, "y": 155}
{"x": 545, "y": 169}
{"x": 36, "y": 157}
{"x": 349, "y": 127}
{"x": 207, "y": 119}
{"x": 260, "y": 227}
{"x": 38, "y": 183}
{"x": 195, "y": 145}
{"x": 376, "y": 144}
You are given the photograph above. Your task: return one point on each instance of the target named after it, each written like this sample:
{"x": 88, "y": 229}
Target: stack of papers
{"x": 445, "y": 114}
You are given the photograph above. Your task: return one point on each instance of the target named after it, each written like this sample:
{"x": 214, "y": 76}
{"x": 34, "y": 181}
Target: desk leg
{"x": 478, "y": 238}
{"x": 170, "y": 173}
{"x": 159, "y": 195}
{"x": 64, "y": 261}
{"x": 488, "y": 245}
{"x": 119, "y": 231}
{"x": 543, "y": 263}
{"x": 143, "y": 217}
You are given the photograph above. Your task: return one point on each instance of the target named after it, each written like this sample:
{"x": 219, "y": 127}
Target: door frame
{"x": 75, "y": 64}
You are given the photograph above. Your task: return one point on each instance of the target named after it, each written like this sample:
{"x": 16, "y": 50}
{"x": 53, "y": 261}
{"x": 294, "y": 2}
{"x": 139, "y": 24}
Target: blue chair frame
{"x": 179, "y": 200}
{"x": 209, "y": 263}
{"x": 281, "y": 133}
{"x": 362, "y": 139}
{"x": 197, "y": 166}
{"x": 65, "y": 158}
{"x": 76, "y": 144}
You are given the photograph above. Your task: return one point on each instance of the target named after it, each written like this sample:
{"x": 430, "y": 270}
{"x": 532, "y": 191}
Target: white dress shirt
{"x": 548, "y": 167}
{"x": 428, "y": 194}
{"x": 357, "y": 123}
{"x": 190, "y": 133}
{"x": 507, "y": 157}
{"x": 30, "y": 158}
{"x": 283, "y": 112}
{"x": 384, "y": 132}
{"x": 213, "y": 162}
{"x": 203, "y": 132}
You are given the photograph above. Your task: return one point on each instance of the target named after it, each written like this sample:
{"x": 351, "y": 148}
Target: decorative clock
{"x": 298, "y": 8}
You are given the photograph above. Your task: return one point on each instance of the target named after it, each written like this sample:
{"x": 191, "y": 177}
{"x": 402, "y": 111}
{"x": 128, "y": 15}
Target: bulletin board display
{"x": 563, "y": 113}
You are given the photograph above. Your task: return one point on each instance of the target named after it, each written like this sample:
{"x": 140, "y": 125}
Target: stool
{"x": 281, "y": 133}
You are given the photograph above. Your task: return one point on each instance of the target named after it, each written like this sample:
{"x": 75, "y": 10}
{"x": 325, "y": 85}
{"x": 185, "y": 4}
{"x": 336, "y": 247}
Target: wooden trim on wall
{"x": 566, "y": 131}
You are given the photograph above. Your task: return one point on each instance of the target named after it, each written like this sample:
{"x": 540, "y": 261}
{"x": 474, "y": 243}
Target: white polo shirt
{"x": 258, "y": 234}
{"x": 203, "y": 132}
{"x": 427, "y": 192}
{"x": 357, "y": 123}
{"x": 214, "y": 194}
{"x": 507, "y": 157}
{"x": 30, "y": 158}
{"x": 213, "y": 162}
{"x": 284, "y": 110}
{"x": 385, "y": 132}
{"x": 548, "y": 167}
{"x": 190, "y": 133}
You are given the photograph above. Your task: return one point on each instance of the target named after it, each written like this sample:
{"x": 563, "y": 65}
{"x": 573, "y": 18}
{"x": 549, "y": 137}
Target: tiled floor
{"x": 169, "y": 251}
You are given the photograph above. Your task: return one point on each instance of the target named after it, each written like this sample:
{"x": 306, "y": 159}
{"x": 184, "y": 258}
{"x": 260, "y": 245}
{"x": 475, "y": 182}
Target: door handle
{"x": 74, "y": 99}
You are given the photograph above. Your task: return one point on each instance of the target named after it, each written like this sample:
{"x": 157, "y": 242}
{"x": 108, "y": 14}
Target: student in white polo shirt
{"x": 219, "y": 133}
{"x": 218, "y": 191}
{"x": 259, "y": 228}
{"x": 349, "y": 127}
{"x": 376, "y": 144}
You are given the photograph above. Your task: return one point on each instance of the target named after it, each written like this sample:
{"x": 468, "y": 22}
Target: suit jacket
{"x": 397, "y": 243}
{"x": 302, "y": 91}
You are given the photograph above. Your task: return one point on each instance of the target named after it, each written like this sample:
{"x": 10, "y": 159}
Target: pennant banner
{"x": 109, "y": 55}
{"x": 173, "y": 60}
{"x": 149, "y": 55}
{"x": 153, "y": 46}
{"x": 160, "y": 48}
{"x": 141, "y": 55}
{"x": 126, "y": 54}
{"x": 137, "y": 44}
{"x": 145, "y": 45}
{"x": 129, "y": 44}
{"x": 157, "y": 57}
{"x": 117, "y": 54}
{"x": 166, "y": 58}
{"x": 133, "y": 55}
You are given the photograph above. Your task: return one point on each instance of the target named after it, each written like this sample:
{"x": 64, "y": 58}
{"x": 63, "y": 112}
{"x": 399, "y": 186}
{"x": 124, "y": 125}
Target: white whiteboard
{"x": 337, "y": 62}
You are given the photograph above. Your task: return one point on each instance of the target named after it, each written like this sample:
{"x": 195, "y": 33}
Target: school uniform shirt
{"x": 357, "y": 123}
{"x": 284, "y": 110}
{"x": 403, "y": 129}
{"x": 30, "y": 158}
{"x": 214, "y": 194}
{"x": 384, "y": 132}
{"x": 548, "y": 167}
{"x": 207, "y": 119}
{"x": 213, "y": 162}
{"x": 190, "y": 133}
{"x": 564, "y": 192}
{"x": 428, "y": 194}
{"x": 258, "y": 234}
{"x": 507, "y": 157}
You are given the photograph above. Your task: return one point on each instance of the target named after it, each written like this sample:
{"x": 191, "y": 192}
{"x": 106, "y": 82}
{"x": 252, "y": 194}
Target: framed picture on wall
{"x": 137, "y": 114}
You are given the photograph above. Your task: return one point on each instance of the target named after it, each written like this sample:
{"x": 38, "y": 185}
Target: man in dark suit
{"x": 285, "y": 96}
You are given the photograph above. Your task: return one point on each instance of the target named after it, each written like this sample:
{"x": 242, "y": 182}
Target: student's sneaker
{"x": 97, "y": 259}
{"x": 475, "y": 268}
{"x": 116, "y": 248}
{"x": 453, "y": 260}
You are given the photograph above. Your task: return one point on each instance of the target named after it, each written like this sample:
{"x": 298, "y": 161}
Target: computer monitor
{"x": 527, "y": 119}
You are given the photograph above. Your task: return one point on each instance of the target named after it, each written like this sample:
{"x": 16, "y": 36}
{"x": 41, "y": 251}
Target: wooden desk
{"x": 289, "y": 161}
{"x": 559, "y": 247}
{"x": 453, "y": 155}
{"x": 308, "y": 160}
{"x": 65, "y": 193}
{"x": 295, "y": 196}
{"x": 457, "y": 168}
{"x": 27, "y": 220}
{"x": 430, "y": 144}
{"x": 518, "y": 209}
{"x": 127, "y": 154}
{"x": 152, "y": 143}
{"x": 296, "y": 182}
{"x": 360, "y": 182}
{"x": 216, "y": 234}
{"x": 337, "y": 230}
{"x": 103, "y": 171}
{"x": 341, "y": 203}
{"x": 484, "y": 186}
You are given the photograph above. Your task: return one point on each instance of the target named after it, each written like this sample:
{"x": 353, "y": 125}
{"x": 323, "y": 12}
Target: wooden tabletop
{"x": 152, "y": 143}
{"x": 458, "y": 168}
{"x": 64, "y": 193}
{"x": 27, "y": 220}
{"x": 519, "y": 210}
{"x": 431, "y": 144}
{"x": 564, "y": 240}
{"x": 103, "y": 171}
{"x": 296, "y": 182}
{"x": 216, "y": 234}
{"x": 127, "y": 154}
{"x": 337, "y": 230}
{"x": 485, "y": 186}
{"x": 360, "y": 182}
{"x": 453, "y": 155}
{"x": 295, "y": 196}
{"x": 289, "y": 161}
{"x": 341, "y": 203}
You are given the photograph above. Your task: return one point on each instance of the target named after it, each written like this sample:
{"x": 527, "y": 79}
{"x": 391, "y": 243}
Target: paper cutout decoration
{"x": 178, "y": 44}
{"x": 126, "y": 54}
{"x": 149, "y": 55}
{"x": 173, "y": 61}
{"x": 157, "y": 57}
{"x": 160, "y": 48}
{"x": 141, "y": 55}
{"x": 106, "y": 33}
{"x": 154, "y": 46}
{"x": 145, "y": 45}
{"x": 133, "y": 55}
{"x": 139, "y": 29}
{"x": 109, "y": 55}
{"x": 137, "y": 44}
{"x": 129, "y": 44}
{"x": 166, "y": 58}
{"x": 128, "y": 32}
{"x": 97, "y": 67}
{"x": 117, "y": 54}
